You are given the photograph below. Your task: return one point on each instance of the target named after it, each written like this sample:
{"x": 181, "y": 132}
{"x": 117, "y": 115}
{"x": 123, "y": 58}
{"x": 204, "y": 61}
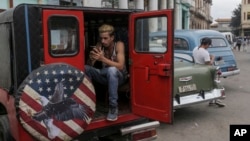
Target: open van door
{"x": 151, "y": 64}
{"x": 63, "y": 34}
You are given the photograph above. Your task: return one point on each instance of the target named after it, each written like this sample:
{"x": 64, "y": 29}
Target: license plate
{"x": 187, "y": 88}
{"x": 221, "y": 62}
{"x": 231, "y": 69}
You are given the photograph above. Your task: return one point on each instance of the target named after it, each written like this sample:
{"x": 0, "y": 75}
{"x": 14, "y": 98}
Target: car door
{"x": 151, "y": 64}
{"x": 63, "y": 34}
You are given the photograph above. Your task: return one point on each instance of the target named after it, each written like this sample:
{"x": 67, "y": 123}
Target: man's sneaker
{"x": 112, "y": 115}
{"x": 211, "y": 103}
{"x": 219, "y": 103}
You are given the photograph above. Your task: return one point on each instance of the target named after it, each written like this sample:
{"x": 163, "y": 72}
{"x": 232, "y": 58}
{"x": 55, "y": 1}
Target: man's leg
{"x": 95, "y": 74}
{"x": 114, "y": 77}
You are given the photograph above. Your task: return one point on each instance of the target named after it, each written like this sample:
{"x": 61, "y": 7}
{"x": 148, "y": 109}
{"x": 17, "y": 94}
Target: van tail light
{"x": 149, "y": 134}
{"x": 218, "y": 74}
{"x": 144, "y": 131}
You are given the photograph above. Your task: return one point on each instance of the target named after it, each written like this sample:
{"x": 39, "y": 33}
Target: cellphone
{"x": 92, "y": 47}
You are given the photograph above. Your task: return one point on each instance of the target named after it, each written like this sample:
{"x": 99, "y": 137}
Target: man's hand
{"x": 212, "y": 58}
{"x": 96, "y": 54}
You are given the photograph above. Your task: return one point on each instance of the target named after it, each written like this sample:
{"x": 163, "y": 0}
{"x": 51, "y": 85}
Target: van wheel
{"x": 56, "y": 102}
{"x": 4, "y": 129}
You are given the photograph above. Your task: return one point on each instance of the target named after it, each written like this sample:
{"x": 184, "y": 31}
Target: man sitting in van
{"x": 202, "y": 56}
{"x": 113, "y": 72}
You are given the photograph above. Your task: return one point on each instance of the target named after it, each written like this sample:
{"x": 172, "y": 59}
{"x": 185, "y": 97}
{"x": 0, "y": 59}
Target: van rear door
{"x": 151, "y": 64}
{"x": 63, "y": 34}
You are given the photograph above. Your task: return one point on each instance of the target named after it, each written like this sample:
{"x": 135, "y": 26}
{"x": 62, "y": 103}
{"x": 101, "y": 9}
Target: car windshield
{"x": 218, "y": 42}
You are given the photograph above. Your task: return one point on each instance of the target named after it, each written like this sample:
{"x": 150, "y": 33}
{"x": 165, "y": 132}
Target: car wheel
{"x": 55, "y": 102}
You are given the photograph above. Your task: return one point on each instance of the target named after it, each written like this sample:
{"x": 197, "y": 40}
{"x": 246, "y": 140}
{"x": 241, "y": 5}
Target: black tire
{"x": 5, "y": 129}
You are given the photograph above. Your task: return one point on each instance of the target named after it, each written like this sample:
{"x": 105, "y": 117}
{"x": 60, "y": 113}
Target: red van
{"x": 42, "y": 56}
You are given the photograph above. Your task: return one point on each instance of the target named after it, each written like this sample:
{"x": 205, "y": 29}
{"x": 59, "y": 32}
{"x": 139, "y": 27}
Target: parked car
{"x": 194, "y": 83}
{"x": 186, "y": 40}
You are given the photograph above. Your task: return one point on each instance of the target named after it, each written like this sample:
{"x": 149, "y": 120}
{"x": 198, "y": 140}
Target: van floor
{"x": 102, "y": 106}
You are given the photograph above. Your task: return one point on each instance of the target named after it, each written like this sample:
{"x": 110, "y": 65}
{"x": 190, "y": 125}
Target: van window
{"x": 144, "y": 42}
{"x": 63, "y": 36}
{"x": 180, "y": 44}
{"x": 218, "y": 42}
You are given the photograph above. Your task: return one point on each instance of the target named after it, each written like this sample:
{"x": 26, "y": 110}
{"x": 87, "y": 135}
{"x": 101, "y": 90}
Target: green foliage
{"x": 236, "y": 20}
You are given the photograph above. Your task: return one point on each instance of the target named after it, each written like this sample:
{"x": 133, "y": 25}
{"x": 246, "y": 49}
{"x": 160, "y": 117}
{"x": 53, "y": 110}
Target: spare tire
{"x": 56, "y": 102}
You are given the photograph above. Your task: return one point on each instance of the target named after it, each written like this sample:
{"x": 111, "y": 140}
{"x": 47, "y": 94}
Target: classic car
{"x": 186, "y": 40}
{"x": 194, "y": 83}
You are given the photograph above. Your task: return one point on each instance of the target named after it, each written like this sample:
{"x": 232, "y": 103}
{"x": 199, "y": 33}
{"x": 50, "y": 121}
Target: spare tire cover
{"x": 56, "y": 102}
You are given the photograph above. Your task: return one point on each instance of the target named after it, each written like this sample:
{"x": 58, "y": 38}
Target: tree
{"x": 236, "y": 20}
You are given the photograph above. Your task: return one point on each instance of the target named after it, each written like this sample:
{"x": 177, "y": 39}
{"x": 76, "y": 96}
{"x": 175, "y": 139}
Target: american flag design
{"x": 57, "y": 102}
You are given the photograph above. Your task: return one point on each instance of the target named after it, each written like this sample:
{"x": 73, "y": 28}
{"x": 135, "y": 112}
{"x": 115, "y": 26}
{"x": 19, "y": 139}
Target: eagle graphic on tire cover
{"x": 56, "y": 102}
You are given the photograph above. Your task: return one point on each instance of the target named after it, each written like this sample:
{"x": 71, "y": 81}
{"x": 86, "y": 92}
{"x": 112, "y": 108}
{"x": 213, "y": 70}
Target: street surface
{"x": 210, "y": 123}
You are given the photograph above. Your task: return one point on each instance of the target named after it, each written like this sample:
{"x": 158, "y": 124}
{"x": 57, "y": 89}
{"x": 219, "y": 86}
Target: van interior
{"x": 92, "y": 21}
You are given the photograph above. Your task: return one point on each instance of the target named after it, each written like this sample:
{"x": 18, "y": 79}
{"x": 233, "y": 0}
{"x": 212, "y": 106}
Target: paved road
{"x": 203, "y": 123}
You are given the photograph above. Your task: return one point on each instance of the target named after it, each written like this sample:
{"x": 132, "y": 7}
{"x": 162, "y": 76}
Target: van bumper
{"x": 183, "y": 101}
{"x": 230, "y": 73}
{"x": 136, "y": 128}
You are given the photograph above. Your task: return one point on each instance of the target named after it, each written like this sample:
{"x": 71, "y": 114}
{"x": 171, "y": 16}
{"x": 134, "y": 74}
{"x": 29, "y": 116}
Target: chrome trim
{"x": 230, "y": 73}
{"x": 140, "y": 127}
{"x": 185, "y": 79}
{"x": 197, "y": 98}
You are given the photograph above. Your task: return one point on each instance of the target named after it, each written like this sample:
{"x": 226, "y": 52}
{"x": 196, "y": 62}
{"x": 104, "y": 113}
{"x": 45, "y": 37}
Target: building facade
{"x": 245, "y": 18}
{"x": 200, "y": 15}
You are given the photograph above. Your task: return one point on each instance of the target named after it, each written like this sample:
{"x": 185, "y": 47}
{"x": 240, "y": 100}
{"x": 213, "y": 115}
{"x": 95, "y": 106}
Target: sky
{"x": 223, "y": 8}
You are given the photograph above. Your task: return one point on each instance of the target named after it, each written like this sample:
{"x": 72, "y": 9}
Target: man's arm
{"x": 211, "y": 60}
{"x": 99, "y": 55}
{"x": 120, "y": 57}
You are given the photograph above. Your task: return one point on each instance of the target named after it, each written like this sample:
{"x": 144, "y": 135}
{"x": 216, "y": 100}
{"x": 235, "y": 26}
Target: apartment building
{"x": 245, "y": 18}
{"x": 201, "y": 15}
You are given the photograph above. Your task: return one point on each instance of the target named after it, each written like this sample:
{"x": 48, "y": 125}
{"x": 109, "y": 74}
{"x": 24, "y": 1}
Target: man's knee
{"x": 86, "y": 67}
{"x": 88, "y": 71}
{"x": 112, "y": 70}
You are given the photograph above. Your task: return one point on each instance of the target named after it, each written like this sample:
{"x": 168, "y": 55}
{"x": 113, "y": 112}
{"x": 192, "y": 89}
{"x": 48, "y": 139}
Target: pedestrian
{"x": 244, "y": 44}
{"x": 238, "y": 43}
{"x": 113, "y": 72}
{"x": 202, "y": 56}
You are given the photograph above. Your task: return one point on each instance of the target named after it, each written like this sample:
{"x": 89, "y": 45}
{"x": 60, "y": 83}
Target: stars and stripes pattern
{"x": 42, "y": 82}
